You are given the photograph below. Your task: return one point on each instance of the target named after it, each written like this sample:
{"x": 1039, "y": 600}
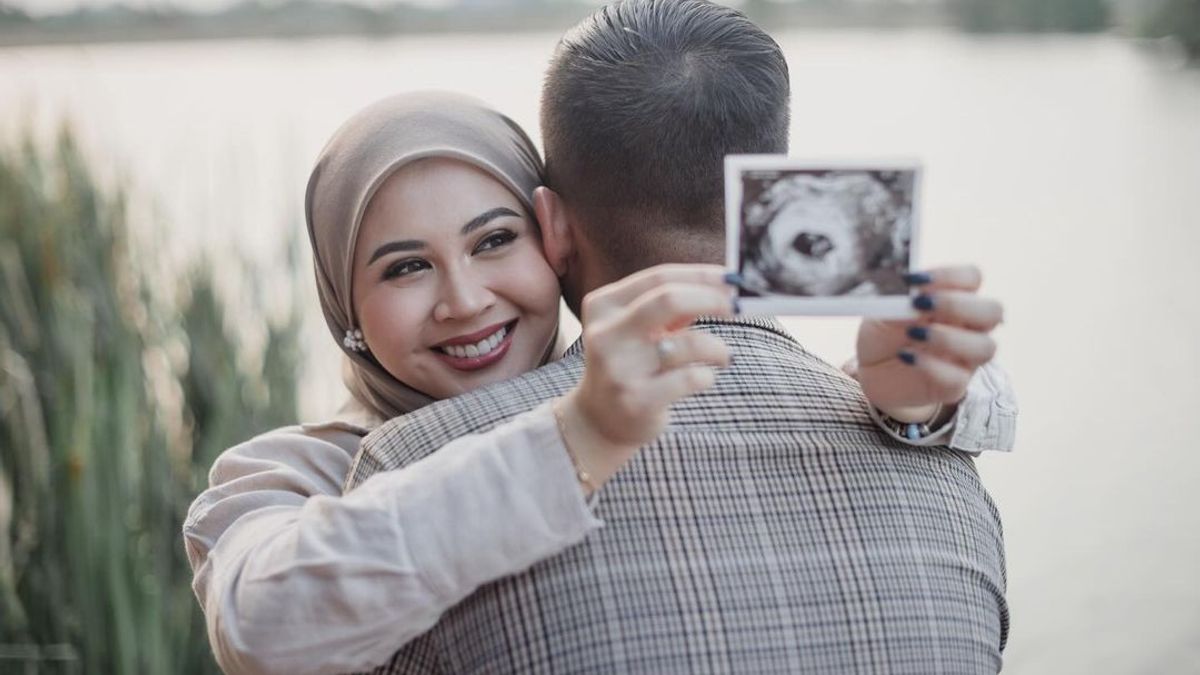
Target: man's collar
{"x": 766, "y": 323}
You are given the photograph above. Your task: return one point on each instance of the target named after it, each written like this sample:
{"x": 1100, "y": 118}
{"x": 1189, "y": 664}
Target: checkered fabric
{"x": 773, "y": 528}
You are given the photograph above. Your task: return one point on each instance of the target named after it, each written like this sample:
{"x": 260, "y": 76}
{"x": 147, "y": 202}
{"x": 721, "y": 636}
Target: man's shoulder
{"x": 777, "y": 360}
{"x": 408, "y": 438}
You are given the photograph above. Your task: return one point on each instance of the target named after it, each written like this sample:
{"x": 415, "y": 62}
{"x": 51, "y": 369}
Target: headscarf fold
{"x": 364, "y": 152}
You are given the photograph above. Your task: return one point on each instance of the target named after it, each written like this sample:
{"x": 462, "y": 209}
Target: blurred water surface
{"x": 1067, "y": 168}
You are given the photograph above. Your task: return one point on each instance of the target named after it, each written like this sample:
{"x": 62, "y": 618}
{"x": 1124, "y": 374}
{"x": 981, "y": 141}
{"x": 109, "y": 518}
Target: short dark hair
{"x": 642, "y": 101}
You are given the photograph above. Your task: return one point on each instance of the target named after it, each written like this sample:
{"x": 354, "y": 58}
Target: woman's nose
{"x": 463, "y": 295}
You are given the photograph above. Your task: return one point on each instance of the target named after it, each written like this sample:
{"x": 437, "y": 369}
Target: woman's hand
{"x": 640, "y": 359}
{"x": 908, "y": 368}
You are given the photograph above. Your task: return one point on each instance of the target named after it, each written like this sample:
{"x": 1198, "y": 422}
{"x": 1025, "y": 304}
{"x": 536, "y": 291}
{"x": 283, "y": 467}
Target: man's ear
{"x": 557, "y": 243}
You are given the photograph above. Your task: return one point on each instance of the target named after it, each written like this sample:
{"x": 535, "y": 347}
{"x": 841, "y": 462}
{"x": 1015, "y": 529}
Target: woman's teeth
{"x": 480, "y": 348}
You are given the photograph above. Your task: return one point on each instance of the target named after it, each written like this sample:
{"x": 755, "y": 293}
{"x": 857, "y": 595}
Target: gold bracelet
{"x": 581, "y": 473}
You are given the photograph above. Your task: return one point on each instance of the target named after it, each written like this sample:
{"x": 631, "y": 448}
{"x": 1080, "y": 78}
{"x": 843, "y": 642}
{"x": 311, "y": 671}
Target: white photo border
{"x": 890, "y": 307}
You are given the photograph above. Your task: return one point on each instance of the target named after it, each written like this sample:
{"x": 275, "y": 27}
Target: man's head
{"x": 642, "y": 101}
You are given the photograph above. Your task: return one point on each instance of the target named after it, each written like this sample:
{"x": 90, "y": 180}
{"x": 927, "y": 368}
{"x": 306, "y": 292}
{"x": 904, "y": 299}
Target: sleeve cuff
{"x": 986, "y": 418}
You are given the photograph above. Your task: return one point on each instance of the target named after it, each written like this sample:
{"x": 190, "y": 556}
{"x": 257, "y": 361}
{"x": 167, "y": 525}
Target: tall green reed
{"x": 1179, "y": 19}
{"x": 113, "y": 403}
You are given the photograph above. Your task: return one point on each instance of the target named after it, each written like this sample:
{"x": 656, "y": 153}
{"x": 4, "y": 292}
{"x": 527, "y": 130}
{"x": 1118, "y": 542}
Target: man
{"x": 772, "y": 527}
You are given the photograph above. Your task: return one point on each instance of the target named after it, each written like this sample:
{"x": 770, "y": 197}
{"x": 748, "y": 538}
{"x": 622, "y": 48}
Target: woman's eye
{"x": 402, "y": 268}
{"x": 495, "y": 240}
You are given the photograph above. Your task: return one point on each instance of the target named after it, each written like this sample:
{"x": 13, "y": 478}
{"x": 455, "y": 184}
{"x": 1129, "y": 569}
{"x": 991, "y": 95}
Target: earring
{"x": 354, "y": 340}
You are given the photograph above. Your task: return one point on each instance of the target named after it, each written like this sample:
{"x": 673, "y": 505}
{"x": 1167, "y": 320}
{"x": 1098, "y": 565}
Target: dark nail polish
{"x": 908, "y": 357}
{"x": 917, "y": 278}
{"x": 734, "y": 279}
{"x": 737, "y": 306}
{"x": 923, "y": 302}
{"x": 919, "y": 333}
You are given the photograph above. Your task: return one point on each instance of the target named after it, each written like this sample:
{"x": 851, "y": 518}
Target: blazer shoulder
{"x": 411, "y": 437}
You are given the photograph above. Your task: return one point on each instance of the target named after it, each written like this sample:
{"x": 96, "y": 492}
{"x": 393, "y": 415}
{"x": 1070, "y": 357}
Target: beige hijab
{"x": 357, "y": 160}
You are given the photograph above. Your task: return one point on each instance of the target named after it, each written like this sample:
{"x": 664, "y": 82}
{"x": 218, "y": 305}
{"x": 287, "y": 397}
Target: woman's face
{"x": 451, "y": 288}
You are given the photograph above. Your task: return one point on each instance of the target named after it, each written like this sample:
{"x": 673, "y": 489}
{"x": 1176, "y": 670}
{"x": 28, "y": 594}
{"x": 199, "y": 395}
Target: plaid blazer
{"x": 771, "y": 528}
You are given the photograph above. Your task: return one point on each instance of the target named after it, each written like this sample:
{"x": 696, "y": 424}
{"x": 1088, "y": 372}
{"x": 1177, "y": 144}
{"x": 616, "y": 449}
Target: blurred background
{"x": 157, "y": 304}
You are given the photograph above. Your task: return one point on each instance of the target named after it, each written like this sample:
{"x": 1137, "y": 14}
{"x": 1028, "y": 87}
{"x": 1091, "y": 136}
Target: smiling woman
{"x": 434, "y": 277}
{"x": 446, "y": 314}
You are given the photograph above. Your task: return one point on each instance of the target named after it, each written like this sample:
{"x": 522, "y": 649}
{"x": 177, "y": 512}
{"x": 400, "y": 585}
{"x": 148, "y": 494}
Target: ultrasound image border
{"x": 883, "y": 307}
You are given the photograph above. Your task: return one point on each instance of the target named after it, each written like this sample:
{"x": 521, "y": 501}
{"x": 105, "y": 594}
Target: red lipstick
{"x": 472, "y": 338}
{"x": 469, "y": 363}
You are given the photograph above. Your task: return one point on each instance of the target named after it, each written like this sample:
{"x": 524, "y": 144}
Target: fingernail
{"x": 908, "y": 357}
{"x": 923, "y": 302}
{"x": 917, "y": 278}
{"x": 734, "y": 279}
{"x": 919, "y": 333}
{"x": 737, "y": 306}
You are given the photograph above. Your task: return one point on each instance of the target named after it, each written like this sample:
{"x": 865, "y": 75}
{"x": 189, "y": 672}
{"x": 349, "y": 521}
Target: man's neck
{"x": 594, "y": 271}
{"x": 698, "y": 249}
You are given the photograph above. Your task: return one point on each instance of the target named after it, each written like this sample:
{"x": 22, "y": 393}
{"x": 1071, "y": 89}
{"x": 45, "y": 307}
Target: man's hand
{"x": 908, "y": 368}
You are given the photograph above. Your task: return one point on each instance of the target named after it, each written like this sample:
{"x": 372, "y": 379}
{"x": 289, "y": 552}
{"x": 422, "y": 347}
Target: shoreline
{"x": 308, "y": 21}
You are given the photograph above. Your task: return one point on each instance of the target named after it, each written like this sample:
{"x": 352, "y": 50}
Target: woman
{"x": 431, "y": 274}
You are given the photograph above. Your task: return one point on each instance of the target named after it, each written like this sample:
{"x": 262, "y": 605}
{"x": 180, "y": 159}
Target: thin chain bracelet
{"x": 581, "y": 473}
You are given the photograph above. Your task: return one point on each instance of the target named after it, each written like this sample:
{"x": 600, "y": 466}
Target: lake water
{"x": 1067, "y": 168}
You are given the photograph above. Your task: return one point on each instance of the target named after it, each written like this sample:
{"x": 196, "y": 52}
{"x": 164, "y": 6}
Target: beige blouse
{"x": 295, "y": 577}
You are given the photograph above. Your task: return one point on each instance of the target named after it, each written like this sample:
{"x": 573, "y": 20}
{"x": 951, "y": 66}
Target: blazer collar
{"x": 767, "y": 323}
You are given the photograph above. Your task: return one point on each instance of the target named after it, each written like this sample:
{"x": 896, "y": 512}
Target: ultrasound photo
{"x": 825, "y": 239}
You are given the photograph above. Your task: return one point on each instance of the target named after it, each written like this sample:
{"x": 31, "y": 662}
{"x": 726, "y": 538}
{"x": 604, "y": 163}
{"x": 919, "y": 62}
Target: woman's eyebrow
{"x": 393, "y": 246}
{"x": 486, "y": 217}
{"x": 416, "y": 245}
